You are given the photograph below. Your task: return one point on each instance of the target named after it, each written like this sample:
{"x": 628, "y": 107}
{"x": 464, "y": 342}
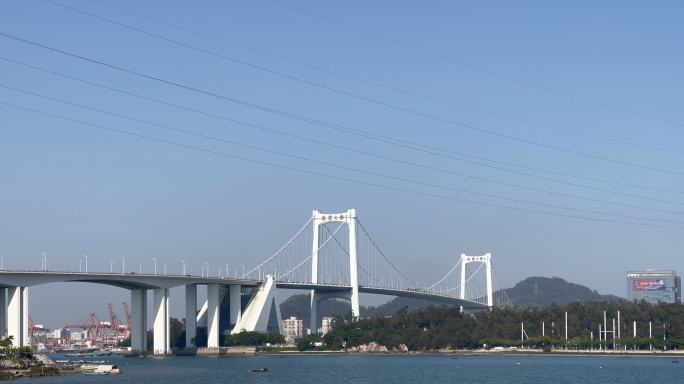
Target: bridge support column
{"x": 353, "y": 263}
{"x": 24, "y": 317}
{"x": 3, "y": 311}
{"x": 313, "y": 325}
{"x": 213, "y": 312}
{"x": 190, "y": 314}
{"x": 490, "y": 293}
{"x": 17, "y": 324}
{"x": 235, "y": 304}
{"x": 139, "y": 321}
{"x": 161, "y": 322}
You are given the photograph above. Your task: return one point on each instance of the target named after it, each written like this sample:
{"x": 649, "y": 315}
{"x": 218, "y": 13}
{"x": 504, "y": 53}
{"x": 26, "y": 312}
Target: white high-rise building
{"x": 292, "y": 328}
{"x": 327, "y": 325}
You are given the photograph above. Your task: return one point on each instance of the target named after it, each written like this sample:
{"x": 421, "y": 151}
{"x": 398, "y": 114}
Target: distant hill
{"x": 552, "y": 290}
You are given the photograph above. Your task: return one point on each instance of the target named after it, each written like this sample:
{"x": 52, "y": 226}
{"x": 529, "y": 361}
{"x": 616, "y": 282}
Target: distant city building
{"x": 293, "y": 328}
{"x": 654, "y": 286}
{"x": 327, "y": 325}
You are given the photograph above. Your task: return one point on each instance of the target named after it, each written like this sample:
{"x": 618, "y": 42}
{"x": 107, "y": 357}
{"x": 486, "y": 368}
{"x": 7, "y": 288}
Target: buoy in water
{"x": 454, "y": 358}
{"x": 675, "y": 361}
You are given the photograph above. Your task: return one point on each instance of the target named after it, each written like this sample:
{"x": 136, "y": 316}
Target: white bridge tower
{"x": 487, "y": 260}
{"x": 320, "y": 219}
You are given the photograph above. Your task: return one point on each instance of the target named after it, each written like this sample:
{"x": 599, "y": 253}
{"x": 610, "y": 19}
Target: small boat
{"x": 96, "y": 373}
{"x": 260, "y": 370}
{"x": 675, "y": 361}
{"x": 454, "y": 358}
{"x": 282, "y": 357}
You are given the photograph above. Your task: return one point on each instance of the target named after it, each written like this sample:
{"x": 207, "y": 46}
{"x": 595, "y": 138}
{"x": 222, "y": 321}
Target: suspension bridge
{"x": 333, "y": 256}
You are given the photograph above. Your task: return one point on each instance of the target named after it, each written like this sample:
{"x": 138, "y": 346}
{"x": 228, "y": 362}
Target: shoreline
{"x": 653, "y": 354}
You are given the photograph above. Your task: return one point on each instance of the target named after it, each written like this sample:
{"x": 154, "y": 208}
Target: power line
{"x": 384, "y": 139}
{"x": 478, "y": 68}
{"x": 349, "y": 168}
{"x": 530, "y": 142}
{"x": 335, "y": 177}
{"x": 387, "y": 86}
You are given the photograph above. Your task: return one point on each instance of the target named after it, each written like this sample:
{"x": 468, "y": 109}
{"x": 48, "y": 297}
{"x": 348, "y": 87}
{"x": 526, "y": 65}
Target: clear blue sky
{"x": 69, "y": 189}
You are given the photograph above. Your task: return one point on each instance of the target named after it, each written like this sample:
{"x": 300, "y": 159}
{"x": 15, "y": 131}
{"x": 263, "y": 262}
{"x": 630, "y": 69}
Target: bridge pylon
{"x": 487, "y": 260}
{"x": 320, "y": 219}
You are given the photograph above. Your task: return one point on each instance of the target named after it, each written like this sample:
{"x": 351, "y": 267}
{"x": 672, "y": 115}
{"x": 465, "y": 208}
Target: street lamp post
{"x": 203, "y": 271}
{"x": 183, "y": 267}
{"x": 141, "y": 263}
{"x": 123, "y": 265}
{"x": 236, "y": 271}
{"x": 155, "y": 266}
{"x": 227, "y": 270}
{"x": 165, "y": 269}
{"x": 207, "y": 268}
{"x": 86, "y": 256}
{"x": 1, "y": 259}
{"x": 111, "y": 267}
{"x": 79, "y": 265}
{"x": 243, "y": 271}
{"x": 44, "y": 262}
{"x": 219, "y": 274}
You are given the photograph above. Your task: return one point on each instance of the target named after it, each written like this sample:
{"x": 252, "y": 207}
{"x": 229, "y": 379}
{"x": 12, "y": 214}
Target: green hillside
{"x": 544, "y": 291}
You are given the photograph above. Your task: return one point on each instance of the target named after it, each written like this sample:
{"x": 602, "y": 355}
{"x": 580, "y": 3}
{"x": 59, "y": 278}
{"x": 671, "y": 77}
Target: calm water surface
{"x": 394, "y": 369}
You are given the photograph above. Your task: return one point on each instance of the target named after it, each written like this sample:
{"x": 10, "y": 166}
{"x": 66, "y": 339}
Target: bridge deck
{"x": 384, "y": 291}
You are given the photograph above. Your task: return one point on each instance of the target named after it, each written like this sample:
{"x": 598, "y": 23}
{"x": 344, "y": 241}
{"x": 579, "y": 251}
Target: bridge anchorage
{"x": 334, "y": 257}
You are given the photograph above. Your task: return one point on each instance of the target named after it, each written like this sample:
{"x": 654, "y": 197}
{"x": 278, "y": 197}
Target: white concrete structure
{"x": 162, "y": 337}
{"x": 487, "y": 260}
{"x": 259, "y": 314}
{"x": 317, "y": 295}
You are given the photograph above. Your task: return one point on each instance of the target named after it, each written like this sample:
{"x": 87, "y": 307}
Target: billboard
{"x": 648, "y": 285}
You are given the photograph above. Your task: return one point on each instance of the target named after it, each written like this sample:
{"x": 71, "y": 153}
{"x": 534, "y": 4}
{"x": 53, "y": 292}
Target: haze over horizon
{"x": 591, "y": 90}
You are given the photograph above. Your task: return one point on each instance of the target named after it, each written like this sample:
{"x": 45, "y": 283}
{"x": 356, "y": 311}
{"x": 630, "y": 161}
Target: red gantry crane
{"x": 93, "y": 325}
{"x": 127, "y": 334}
{"x": 115, "y": 325}
{"x": 32, "y": 329}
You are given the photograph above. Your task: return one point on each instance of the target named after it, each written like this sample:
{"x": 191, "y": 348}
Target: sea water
{"x": 387, "y": 369}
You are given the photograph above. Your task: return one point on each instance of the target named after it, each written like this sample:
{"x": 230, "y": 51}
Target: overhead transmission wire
{"x": 349, "y": 168}
{"x": 530, "y": 142}
{"x": 442, "y": 57}
{"x": 369, "y": 172}
{"x": 386, "y": 86}
{"x": 408, "y": 191}
{"x": 351, "y": 131}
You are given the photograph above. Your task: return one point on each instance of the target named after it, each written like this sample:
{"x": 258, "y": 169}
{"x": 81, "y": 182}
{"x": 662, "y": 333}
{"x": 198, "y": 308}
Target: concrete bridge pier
{"x": 162, "y": 336}
{"x": 139, "y": 321}
{"x": 3, "y": 311}
{"x": 213, "y": 313}
{"x": 17, "y": 324}
{"x": 235, "y": 292}
{"x": 190, "y": 314}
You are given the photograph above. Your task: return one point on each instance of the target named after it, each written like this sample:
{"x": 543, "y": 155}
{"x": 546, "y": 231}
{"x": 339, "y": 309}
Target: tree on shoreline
{"x": 439, "y": 327}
